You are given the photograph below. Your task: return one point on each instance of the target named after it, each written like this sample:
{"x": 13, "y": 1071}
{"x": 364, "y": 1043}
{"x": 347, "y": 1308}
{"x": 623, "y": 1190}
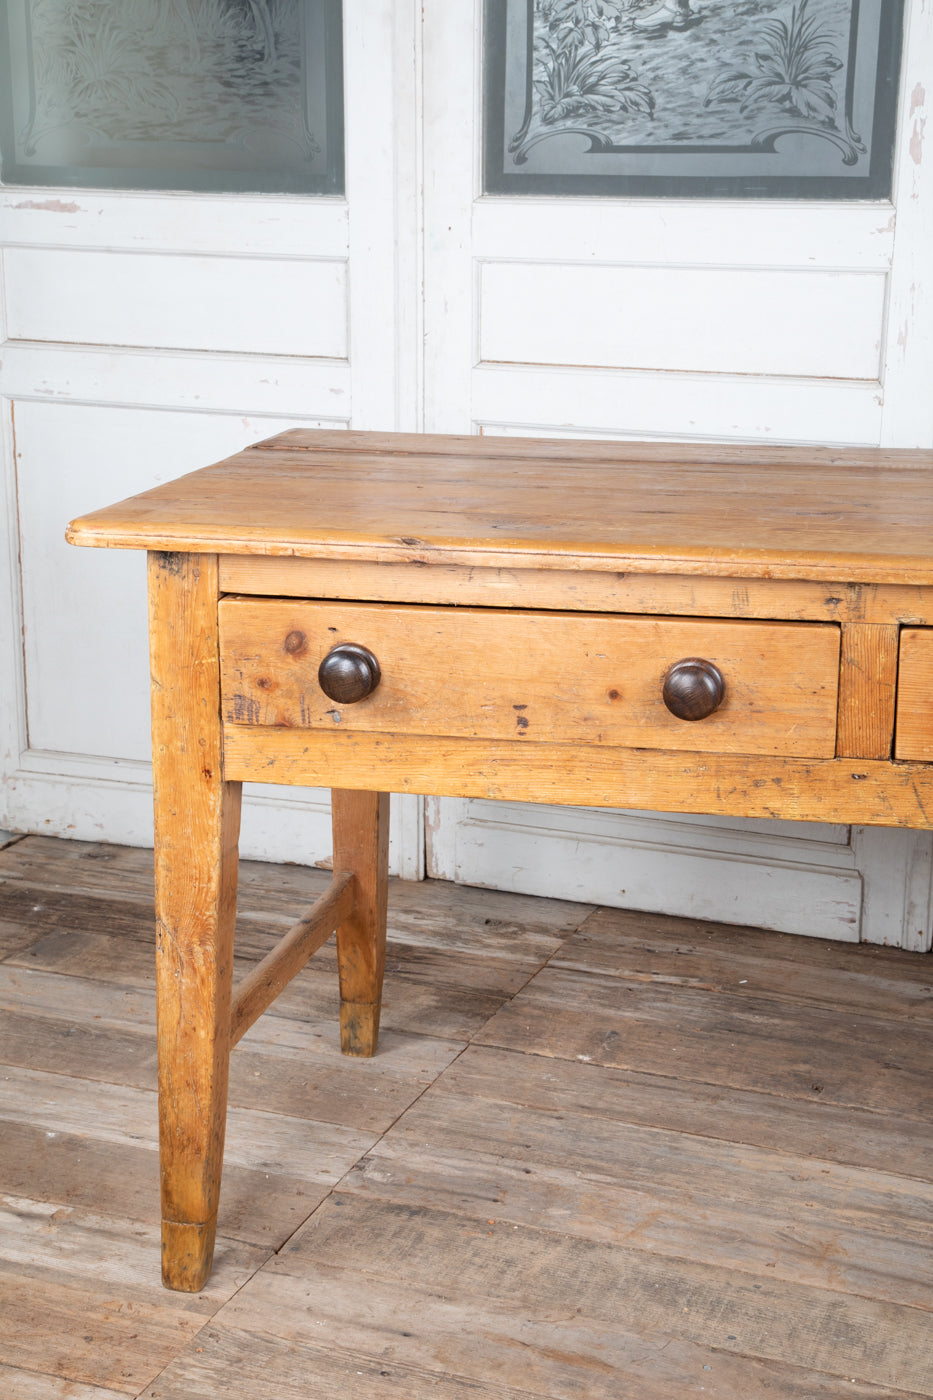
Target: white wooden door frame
{"x": 374, "y": 232}
{"x": 414, "y": 364}
{"x": 872, "y": 883}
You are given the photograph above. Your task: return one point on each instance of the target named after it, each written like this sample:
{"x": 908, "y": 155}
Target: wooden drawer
{"x": 555, "y": 677}
{"x": 913, "y": 733}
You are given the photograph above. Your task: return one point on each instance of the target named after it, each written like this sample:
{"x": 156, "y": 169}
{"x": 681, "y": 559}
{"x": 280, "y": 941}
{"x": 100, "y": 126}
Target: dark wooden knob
{"x": 348, "y": 673}
{"x": 693, "y": 688}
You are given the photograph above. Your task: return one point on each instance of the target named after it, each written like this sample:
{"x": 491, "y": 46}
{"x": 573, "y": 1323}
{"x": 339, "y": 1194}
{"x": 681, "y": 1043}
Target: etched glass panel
{"x": 223, "y": 95}
{"x": 792, "y": 98}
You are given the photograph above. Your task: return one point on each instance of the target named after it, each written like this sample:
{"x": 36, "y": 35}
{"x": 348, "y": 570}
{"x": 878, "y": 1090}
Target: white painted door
{"x": 696, "y": 319}
{"x": 146, "y": 334}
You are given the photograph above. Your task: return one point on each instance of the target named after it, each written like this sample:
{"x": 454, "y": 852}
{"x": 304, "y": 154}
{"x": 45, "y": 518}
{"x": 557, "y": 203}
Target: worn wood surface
{"x": 585, "y": 591}
{"x": 28, "y": 1385}
{"x": 499, "y": 674}
{"x": 411, "y": 1343}
{"x": 867, "y": 690}
{"x": 668, "y": 1158}
{"x": 473, "y": 728}
{"x": 197, "y": 821}
{"x": 735, "y": 1041}
{"x": 259, "y": 990}
{"x": 914, "y": 739}
{"x": 361, "y": 845}
{"x": 860, "y": 790}
{"x": 847, "y": 516}
{"x": 504, "y": 1264}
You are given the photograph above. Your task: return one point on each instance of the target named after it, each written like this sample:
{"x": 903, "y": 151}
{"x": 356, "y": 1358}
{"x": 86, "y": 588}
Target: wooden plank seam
{"x": 271, "y": 976}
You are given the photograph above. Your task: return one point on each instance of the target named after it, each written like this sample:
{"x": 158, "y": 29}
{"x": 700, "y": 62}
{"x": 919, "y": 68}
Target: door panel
{"x": 144, "y": 335}
{"x": 86, "y": 652}
{"x": 681, "y": 319}
{"x": 249, "y": 305}
{"x": 441, "y": 312}
{"x": 726, "y": 321}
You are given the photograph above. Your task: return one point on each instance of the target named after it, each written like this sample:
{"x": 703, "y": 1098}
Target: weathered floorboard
{"x": 548, "y": 1274}
{"x": 31, "y": 1385}
{"x": 79, "y": 1027}
{"x": 687, "y": 953}
{"x": 427, "y": 1342}
{"x": 810, "y": 1127}
{"x": 598, "y": 1153}
{"x": 665, "y": 1192}
{"x": 715, "y": 1037}
{"x": 76, "y": 1299}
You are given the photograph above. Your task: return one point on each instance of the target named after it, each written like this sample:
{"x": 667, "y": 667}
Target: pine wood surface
{"x": 867, "y": 690}
{"x": 197, "y": 825}
{"x": 914, "y": 734}
{"x": 852, "y": 516}
{"x": 258, "y": 991}
{"x": 652, "y": 1157}
{"x": 500, "y": 674}
{"x": 859, "y": 790}
{"x": 360, "y": 823}
{"x": 691, "y": 595}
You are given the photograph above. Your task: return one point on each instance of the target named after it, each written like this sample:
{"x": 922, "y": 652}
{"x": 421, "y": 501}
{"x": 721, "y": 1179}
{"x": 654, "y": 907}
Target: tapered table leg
{"x": 361, "y": 844}
{"x": 196, "y": 831}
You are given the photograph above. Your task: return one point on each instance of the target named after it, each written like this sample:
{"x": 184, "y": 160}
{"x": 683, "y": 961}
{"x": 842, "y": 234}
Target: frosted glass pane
{"x": 225, "y": 95}
{"x": 778, "y": 99}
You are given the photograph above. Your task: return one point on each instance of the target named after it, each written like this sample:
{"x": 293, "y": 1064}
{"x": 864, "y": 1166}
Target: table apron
{"x": 863, "y": 791}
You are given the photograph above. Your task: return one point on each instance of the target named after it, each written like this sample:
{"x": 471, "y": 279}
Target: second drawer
{"x": 556, "y": 677}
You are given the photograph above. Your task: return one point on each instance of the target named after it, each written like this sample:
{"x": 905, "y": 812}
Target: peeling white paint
{"x": 53, "y": 206}
{"x": 917, "y": 101}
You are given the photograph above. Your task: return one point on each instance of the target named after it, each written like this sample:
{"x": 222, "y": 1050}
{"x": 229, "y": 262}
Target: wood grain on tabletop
{"x": 858, "y": 515}
{"x": 519, "y": 675}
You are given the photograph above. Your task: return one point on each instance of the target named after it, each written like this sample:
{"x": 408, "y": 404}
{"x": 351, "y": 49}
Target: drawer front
{"x": 552, "y": 677}
{"x": 913, "y": 733}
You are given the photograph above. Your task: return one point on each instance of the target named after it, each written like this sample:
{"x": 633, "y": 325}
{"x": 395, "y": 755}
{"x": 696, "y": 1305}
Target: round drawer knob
{"x": 693, "y": 688}
{"x": 348, "y": 673}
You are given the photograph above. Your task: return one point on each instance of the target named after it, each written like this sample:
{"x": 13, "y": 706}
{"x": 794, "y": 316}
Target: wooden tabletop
{"x": 846, "y": 515}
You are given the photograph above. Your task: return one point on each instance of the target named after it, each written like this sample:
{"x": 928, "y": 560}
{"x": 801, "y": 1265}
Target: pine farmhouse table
{"x": 720, "y": 629}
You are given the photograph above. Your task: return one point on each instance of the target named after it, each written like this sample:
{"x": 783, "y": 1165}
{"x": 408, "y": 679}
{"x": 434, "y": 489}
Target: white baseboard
{"x": 100, "y": 799}
{"x": 868, "y": 884}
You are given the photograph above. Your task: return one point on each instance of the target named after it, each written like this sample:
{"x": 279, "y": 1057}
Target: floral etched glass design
{"x": 692, "y": 97}
{"x": 223, "y": 95}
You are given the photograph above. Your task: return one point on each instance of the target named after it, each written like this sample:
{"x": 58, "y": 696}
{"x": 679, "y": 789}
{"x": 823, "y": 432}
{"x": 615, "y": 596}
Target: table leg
{"x": 361, "y": 844}
{"x": 196, "y": 832}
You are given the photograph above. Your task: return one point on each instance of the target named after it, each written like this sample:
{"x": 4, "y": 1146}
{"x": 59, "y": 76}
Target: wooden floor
{"x": 600, "y": 1155}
